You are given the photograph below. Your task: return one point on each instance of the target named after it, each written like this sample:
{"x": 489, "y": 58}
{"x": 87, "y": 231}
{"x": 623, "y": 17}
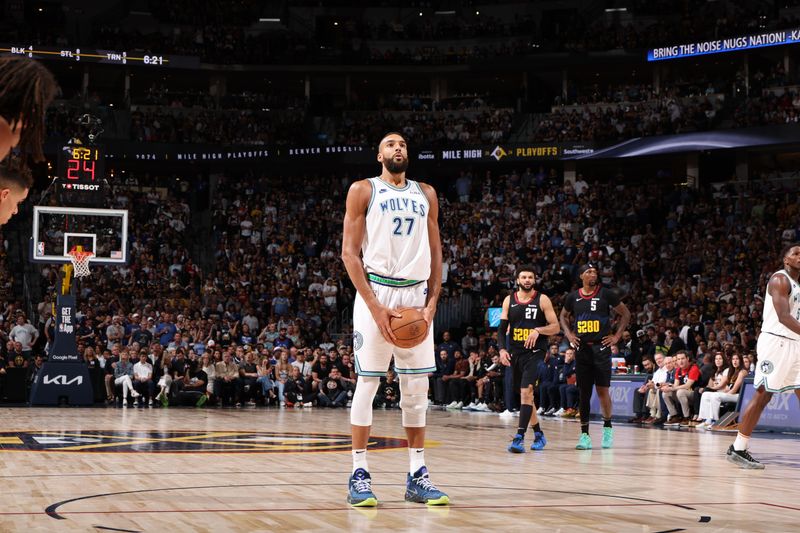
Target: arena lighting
{"x": 449, "y": 12}
{"x": 269, "y": 20}
{"x": 616, "y": 9}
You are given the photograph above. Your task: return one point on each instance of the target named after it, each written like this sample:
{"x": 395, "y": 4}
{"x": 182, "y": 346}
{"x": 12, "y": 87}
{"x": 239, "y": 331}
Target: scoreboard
{"x": 81, "y": 174}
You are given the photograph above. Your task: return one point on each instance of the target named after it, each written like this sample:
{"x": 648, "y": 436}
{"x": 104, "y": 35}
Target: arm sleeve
{"x": 502, "y": 335}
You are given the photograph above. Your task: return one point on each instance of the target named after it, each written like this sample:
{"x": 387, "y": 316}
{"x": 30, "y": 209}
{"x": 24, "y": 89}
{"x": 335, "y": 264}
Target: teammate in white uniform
{"x": 393, "y": 255}
{"x": 778, "y": 349}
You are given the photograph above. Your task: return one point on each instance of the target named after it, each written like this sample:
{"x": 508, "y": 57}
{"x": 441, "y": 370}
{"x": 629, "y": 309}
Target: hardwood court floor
{"x": 268, "y": 470}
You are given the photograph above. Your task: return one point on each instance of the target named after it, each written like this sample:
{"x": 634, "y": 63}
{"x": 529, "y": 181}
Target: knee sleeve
{"x": 361, "y": 408}
{"x": 414, "y": 399}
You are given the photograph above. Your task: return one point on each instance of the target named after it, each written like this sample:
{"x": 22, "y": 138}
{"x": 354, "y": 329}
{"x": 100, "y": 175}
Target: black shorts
{"x": 525, "y": 365}
{"x": 593, "y": 365}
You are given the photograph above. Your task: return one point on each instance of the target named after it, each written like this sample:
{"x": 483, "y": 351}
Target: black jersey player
{"x": 527, "y": 319}
{"x": 589, "y": 309}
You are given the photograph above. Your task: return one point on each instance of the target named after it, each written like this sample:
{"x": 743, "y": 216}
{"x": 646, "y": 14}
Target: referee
{"x": 589, "y": 310}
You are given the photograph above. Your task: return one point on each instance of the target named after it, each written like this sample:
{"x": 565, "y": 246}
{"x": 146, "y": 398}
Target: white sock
{"x": 741, "y": 442}
{"x": 416, "y": 459}
{"x": 360, "y": 460}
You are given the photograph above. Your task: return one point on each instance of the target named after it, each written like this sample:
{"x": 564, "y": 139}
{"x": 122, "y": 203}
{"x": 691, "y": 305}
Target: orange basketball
{"x": 410, "y": 329}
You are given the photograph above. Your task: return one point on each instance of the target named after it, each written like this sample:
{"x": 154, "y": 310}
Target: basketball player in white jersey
{"x": 778, "y": 349}
{"x": 393, "y": 255}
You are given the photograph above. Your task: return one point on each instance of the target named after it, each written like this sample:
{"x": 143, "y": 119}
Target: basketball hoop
{"x": 80, "y": 262}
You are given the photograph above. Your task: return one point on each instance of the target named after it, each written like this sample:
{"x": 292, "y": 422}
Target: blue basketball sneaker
{"x": 419, "y": 489}
{"x": 518, "y": 444}
{"x": 539, "y": 442}
{"x": 360, "y": 490}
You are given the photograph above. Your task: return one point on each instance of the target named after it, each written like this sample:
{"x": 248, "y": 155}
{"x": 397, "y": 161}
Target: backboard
{"x": 57, "y": 230}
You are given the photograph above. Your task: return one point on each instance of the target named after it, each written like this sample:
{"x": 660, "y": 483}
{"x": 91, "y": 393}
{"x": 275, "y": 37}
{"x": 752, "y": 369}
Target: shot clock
{"x": 81, "y": 174}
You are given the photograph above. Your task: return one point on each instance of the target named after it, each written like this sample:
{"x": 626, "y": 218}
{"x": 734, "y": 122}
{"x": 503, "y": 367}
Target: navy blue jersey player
{"x": 586, "y": 321}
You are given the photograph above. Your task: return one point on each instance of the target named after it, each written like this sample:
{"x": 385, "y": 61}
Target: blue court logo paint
{"x": 358, "y": 340}
{"x": 766, "y": 367}
{"x": 114, "y": 441}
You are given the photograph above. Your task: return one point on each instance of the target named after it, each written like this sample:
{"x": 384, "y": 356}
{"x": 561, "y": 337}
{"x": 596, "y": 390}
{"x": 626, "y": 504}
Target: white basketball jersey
{"x": 771, "y": 324}
{"x": 396, "y": 239}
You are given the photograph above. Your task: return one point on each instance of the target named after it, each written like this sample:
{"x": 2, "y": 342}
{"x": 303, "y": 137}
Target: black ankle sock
{"x": 585, "y": 428}
{"x": 606, "y": 422}
{"x": 537, "y": 429}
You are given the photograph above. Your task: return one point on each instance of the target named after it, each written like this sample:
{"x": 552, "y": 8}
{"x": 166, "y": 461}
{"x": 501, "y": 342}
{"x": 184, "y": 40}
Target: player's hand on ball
{"x": 382, "y": 316}
{"x": 427, "y": 314}
{"x": 505, "y": 358}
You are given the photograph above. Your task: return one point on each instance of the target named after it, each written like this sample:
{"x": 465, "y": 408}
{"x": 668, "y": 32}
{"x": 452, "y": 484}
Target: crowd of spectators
{"x": 159, "y": 94}
{"x": 665, "y": 23}
{"x": 159, "y": 124}
{"x": 427, "y": 28}
{"x": 230, "y": 34}
{"x": 176, "y": 124}
{"x": 769, "y": 109}
{"x": 617, "y": 93}
{"x": 358, "y": 40}
{"x": 692, "y": 265}
{"x": 484, "y": 126}
{"x": 616, "y": 122}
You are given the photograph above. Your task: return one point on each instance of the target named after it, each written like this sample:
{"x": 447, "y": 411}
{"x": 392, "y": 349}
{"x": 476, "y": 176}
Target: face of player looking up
{"x": 394, "y": 154}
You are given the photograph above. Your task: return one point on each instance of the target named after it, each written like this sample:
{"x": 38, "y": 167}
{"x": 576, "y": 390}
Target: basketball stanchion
{"x": 64, "y": 378}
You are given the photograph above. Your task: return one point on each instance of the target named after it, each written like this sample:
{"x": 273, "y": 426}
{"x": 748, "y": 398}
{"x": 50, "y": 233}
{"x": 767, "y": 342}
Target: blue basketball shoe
{"x": 419, "y": 489}
{"x": 360, "y": 490}
{"x": 518, "y": 444}
{"x": 539, "y": 442}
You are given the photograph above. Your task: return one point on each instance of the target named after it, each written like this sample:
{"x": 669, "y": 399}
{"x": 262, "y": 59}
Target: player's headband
{"x": 584, "y": 268}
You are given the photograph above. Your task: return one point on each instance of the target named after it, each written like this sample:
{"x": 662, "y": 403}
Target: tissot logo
{"x": 61, "y": 379}
{"x": 80, "y": 187}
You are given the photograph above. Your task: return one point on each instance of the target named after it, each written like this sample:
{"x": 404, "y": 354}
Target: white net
{"x": 80, "y": 263}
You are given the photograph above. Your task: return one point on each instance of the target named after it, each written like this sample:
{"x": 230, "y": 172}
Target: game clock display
{"x": 81, "y": 175}
{"x": 81, "y": 165}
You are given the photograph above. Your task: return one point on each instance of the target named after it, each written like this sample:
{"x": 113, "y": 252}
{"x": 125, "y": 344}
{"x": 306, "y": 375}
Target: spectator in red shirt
{"x": 687, "y": 376}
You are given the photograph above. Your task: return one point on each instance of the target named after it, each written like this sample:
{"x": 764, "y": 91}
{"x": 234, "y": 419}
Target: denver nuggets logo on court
{"x": 766, "y": 367}
{"x": 358, "y": 340}
{"x": 113, "y": 441}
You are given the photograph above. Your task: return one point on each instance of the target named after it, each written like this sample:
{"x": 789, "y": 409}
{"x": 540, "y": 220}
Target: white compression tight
{"x": 361, "y": 408}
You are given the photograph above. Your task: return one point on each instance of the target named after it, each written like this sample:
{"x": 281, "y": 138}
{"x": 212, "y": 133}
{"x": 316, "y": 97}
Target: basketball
{"x": 410, "y": 329}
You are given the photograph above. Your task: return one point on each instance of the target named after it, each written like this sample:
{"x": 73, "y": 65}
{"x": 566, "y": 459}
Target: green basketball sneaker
{"x": 584, "y": 443}
{"x": 608, "y": 437}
